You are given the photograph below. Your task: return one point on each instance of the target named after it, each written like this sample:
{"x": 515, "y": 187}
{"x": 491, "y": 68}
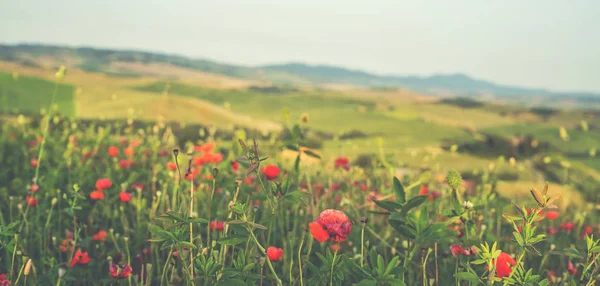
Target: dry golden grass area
{"x": 189, "y": 76}
{"x": 107, "y": 97}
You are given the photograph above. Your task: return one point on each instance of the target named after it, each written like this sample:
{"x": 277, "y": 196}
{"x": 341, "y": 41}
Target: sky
{"x": 550, "y": 44}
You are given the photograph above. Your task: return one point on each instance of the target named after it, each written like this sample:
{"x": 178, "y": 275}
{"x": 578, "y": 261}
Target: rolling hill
{"x": 115, "y": 62}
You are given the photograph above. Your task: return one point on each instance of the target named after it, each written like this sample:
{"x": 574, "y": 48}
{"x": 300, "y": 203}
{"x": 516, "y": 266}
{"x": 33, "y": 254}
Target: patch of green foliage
{"x": 26, "y": 94}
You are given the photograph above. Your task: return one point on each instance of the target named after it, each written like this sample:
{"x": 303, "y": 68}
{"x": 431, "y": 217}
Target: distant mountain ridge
{"x": 98, "y": 60}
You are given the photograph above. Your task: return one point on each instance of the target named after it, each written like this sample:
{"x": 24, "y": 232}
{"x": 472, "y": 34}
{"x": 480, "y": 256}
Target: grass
{"x": 26, "y": 94}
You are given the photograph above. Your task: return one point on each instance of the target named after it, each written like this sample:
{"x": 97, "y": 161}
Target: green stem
{"x": 162, "y": 276}
{"x": 300, "y": 259}
{"x": 191, "y": 225}
{"x": 332, "y": 265}
{"x": 362, "y": 246}
{"x": 12, "y": 265}
{"x": 263, "y": 251}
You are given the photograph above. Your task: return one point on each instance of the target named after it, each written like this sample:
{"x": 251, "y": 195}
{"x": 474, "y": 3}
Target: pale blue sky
{"x": 549, "y": 44}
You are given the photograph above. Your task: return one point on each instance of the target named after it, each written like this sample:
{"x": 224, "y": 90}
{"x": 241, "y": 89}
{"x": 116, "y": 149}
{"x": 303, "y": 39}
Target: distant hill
{"x": 453, "y": 84}
{"x": 99, "y": 60}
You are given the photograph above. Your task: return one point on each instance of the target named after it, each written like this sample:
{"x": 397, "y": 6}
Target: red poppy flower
{"x": 334, "y": 187}
{"x": 274, "y": 253}
{"x": 342, "y": 162}
{"x": 435, "y": 195}
{"x": 335, "y": 247}
{"x": 194, "y": 172}
{"x": 172, "y": 166}
{"x": 125, "y": 196}
{"x": 123, "y": 142}
{"x": 248, "y": 181}
{"x": 3, "y": 281}
{"x": 34, "y": 162}
{"x": 567, "y": 226}
{"x": 31, "y": 201}
{"x": 588, "y": 230}
{"x": 271, "y": 172}
{"x": 129, "y": 152}
{"x": 97, "y": 195}
{"x": 235, "y": 166}
{"x": 113, "y": 151}
{"x": 34, "y": 188}
{"x": 216, "y": 224}
{"x": 552, "y": 230}
{"x": 100, "y": 236}
{"x": 457, "y": 249}
{"x": 332, "y": 224}
{"x": 80, "y": 258}
{"x": 571, "y": 268}
{"x": 66, "y": 245}
{"x": 163, "y": 153}
{"x": 119, "y": 273}
{"x": 102, "y": 184}
{"x": 137, "y": 186}
{"x": 206, "y": 148}
{"x": 503, "y": 265}
{"x": 551, "y": 215}
{"x": 125, "y": 164}
{"x": 364, "y": 187}
{"x": 424, "y": 190}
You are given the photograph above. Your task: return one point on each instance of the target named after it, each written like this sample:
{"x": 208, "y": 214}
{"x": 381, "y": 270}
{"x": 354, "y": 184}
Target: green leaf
{"x": 295, "y": 196}
{"x": 467, "y": 276}
{"x": 197, "y": 220}
{"x": 413, "y": 203}
{"x": 175, "y": 216}
{"x": 399, "y": 190}
{"x": 233, "y": 240}
{"x": 292, "y": 147}
{"x": 297, "y": 163}
{"x": 231, "y": 282}
{"x": 312, "y": 154}
{"x": 249, "y": 267}
{"x": 156, "y": 230}
{"x": 595, "y": 249}
{"x": 573, "y": 252}
{"x": 397, "y": 282}
{"x": 367, "y": 282}
{"x": 478, "y": 261}
{"x": 190, "y": 245}
{"x": 455, "y": 201}
{"x": 388, "y": 205}
{"x": 404, "y": 229}
{"x": 518, "y": 238}
{"x": 244, "y": 162}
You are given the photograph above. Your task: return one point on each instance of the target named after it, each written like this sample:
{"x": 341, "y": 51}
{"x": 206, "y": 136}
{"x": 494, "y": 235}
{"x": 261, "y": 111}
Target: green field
{"x": 26, "y": 94}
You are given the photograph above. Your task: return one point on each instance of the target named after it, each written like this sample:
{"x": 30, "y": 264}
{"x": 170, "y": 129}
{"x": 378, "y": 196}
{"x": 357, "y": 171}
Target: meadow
{"x": 120, "y": 179}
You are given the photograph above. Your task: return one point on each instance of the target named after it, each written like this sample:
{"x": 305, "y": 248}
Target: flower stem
{"x": 362, "y": 246}
{"x": 263, "y": 251}
{"x": 332, "y": 265}
{"x": 191, "y": 226}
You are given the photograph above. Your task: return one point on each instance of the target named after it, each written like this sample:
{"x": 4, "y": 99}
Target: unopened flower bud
{"x": 215, "y": 172}
{"x": 54, "y": 201}
{"x": 62, "y": 271}
{"x": 28, "y": 266}
{"x": 454, "y": 179}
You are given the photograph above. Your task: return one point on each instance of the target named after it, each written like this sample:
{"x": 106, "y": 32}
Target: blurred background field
{"x": 350, "y": 113}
